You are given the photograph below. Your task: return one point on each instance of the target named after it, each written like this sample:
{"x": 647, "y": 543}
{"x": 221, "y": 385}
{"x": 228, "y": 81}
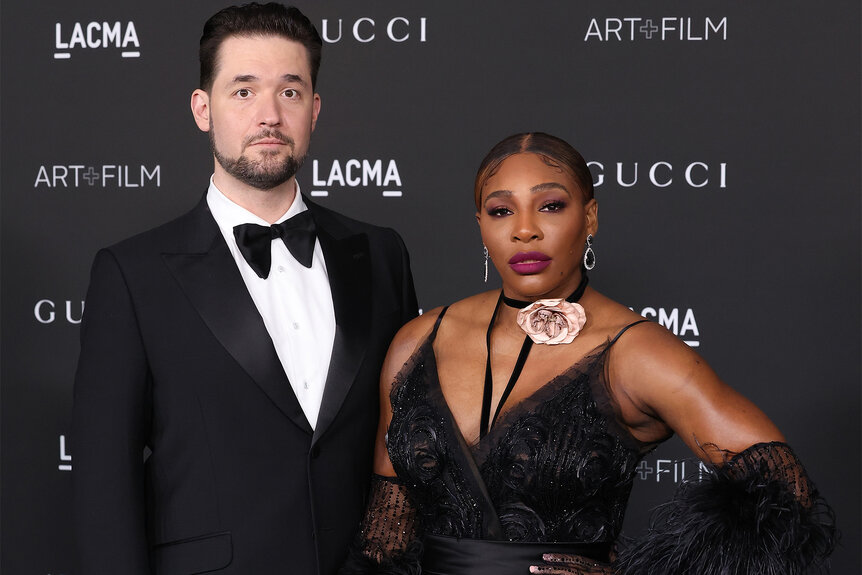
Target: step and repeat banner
{"x": 723, "y": 139}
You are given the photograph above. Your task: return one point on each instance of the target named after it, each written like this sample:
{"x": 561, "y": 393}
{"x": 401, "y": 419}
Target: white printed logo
{"x": 667, "y": 469}
{"x": 65, "y": 458}
{"x": 357, "y": 174}
{"x": 660, "y": 174}
{"x": 104, "y": 176}
{"x": 96, "y": 35}
{"x": 682, "y": 29}
{"x": 47, "y": 311}
{"x": 365, "y": 30}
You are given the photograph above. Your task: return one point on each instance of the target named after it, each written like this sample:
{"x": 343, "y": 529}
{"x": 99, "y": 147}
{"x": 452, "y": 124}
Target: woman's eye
{"x": 554, "y": 206}
{"x": 498, "y": 211}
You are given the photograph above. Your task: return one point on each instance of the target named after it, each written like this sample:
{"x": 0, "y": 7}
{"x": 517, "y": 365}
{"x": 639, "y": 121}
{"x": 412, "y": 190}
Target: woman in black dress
{"x": 512, "y": 421}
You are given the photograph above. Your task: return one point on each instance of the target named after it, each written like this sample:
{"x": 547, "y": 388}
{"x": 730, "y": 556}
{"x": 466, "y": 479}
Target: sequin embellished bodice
{"x": 556, "y": 467}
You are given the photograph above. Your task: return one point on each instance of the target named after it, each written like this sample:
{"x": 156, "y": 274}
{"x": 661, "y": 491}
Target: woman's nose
{"x": 526, "y": 228}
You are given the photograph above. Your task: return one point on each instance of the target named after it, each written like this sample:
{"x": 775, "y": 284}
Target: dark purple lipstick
{"x": 527, "y": 263}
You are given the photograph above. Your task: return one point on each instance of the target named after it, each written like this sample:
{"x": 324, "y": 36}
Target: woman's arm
{"x": 387, "y": 540}
{"x": 757, "y": 512}
{"x": 661, "y": 384}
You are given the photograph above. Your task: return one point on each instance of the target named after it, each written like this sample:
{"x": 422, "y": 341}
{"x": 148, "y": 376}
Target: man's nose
{"x": 269, "y": 112}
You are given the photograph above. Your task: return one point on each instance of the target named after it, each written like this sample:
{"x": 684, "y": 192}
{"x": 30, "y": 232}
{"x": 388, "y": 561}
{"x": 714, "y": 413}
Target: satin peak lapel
{"x": 349, "y": 268}
{"x": 208, "y": 275}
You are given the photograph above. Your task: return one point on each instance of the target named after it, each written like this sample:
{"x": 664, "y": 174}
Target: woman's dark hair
{"x": 271, "y": 19}
{"x": 552, "y": 150}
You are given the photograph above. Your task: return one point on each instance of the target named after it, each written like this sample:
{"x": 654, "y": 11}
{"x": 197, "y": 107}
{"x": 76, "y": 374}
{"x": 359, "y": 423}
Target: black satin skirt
{"x": 451, "y": 556}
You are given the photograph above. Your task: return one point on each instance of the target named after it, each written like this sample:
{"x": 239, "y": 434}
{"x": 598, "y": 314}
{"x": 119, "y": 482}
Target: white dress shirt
{"x": 294, "y": 301}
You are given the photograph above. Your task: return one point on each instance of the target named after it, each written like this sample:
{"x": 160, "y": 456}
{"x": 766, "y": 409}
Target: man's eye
{"x": 291, "y": 93}
{"x": 243, "y": 93}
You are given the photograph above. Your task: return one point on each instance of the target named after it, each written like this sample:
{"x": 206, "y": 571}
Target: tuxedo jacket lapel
{"x": 207, "y": 274}
{"x": 348, "y": 266}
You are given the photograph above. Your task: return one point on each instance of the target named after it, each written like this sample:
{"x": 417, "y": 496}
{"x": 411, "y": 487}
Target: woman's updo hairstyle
{"x": 552, "y": 150}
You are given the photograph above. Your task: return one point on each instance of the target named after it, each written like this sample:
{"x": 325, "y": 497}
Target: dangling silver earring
{"x": 589, "y": 254}
{"x": 485, "y": 252}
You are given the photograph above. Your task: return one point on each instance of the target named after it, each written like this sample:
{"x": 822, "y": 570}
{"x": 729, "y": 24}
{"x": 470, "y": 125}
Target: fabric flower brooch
{"x": 552, "y": 321}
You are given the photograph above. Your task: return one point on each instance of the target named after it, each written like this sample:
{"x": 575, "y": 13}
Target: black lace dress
{"x": 553, "y": 474}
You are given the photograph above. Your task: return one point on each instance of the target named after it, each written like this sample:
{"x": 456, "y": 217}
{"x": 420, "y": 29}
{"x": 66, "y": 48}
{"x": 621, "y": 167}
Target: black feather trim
{"x": 732, "y": 524}
{"x": 405, "y": 562}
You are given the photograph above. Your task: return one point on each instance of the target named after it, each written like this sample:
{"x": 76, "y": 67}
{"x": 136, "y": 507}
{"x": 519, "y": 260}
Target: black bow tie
{"x": 254, "y": 241}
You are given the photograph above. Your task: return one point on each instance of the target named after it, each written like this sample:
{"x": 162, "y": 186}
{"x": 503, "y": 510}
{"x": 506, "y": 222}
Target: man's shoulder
{"x": 337, "y": 222}
{"x": 175, "y": 234}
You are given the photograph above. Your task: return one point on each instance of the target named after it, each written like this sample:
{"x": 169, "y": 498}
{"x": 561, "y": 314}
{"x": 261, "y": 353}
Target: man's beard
{"x": 266, "y": 173}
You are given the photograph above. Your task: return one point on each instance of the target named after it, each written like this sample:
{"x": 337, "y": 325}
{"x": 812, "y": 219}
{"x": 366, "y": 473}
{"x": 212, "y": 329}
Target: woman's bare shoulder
{"x": 608, "y": 316}
{"x": 412, "y": 333}
{"x": 476, "y": 309}
{"x": 460, "y": 315}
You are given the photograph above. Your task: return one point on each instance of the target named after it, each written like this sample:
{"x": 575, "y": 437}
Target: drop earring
{"x": 485, "y": 252}
{"x": 589, "y": 254}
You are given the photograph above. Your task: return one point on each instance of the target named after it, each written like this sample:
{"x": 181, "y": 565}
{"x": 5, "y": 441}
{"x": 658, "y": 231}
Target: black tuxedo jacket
{"x": 192, "y": 454}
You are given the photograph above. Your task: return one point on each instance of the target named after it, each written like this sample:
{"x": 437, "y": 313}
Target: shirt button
{"x": 281, "y": 269}
{"x": 295, "y": 325}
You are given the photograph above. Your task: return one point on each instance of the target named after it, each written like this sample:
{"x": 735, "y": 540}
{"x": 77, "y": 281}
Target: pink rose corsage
{"x": 552, "y": 321}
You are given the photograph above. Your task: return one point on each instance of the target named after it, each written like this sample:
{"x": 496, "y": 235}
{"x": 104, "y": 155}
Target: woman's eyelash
{"x": 554, "y": 206}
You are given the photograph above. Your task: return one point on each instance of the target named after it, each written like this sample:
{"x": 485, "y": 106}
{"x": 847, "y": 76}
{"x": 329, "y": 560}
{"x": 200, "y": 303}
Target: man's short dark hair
{"x": 271, "y": 19}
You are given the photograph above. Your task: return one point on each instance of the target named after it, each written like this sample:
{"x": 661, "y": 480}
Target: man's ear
{"x": 200, "y": 104}
{"x": 315, "y": 111}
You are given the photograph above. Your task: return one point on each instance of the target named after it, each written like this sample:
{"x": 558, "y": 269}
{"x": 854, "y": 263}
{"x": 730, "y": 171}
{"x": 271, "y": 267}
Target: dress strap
{"x": 433, "y": 333}
{"x": 625, "y": 329}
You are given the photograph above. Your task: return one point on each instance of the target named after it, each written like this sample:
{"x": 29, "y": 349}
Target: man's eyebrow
{"x": 293, "y": 78}
{"x": 244, "y": 78}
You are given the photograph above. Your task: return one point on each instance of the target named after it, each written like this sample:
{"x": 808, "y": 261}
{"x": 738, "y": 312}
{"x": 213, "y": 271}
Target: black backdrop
{"x": 725, "y": 137}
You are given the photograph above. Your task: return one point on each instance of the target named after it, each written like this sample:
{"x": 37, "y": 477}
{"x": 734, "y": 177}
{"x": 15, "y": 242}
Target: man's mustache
{"x": 269, "y": 134}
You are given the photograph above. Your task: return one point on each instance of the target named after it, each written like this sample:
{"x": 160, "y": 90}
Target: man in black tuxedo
{"x": 226, "y": 398}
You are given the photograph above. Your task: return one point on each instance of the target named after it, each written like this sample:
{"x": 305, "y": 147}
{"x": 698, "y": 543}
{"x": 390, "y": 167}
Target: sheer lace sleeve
{"x": 387, "y": 542}
{"x": 775, "y": 462}
{"x": 757, "y": 513}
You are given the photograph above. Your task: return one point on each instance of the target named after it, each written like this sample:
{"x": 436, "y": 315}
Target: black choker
{"x": 576, "y": 295}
